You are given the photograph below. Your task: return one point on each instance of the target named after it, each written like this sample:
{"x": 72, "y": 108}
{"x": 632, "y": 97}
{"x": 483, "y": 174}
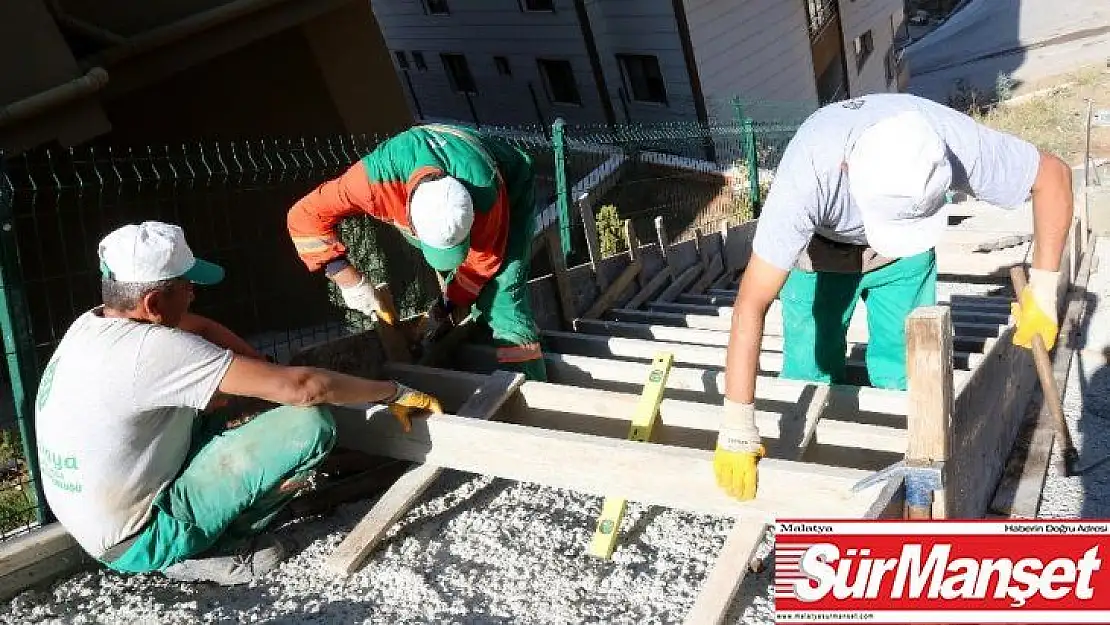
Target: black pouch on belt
{"x": 824, "y": 254}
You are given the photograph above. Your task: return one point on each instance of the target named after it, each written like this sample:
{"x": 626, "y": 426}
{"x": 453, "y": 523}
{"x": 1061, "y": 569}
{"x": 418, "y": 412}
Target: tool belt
{"x": 824, "y": 254}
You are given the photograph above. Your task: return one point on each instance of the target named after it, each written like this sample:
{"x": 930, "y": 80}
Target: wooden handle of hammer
{"x": 1048, "y": 380}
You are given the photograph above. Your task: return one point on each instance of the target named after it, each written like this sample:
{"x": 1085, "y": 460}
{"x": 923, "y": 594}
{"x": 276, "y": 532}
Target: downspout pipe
{"x": 92, "y": 82}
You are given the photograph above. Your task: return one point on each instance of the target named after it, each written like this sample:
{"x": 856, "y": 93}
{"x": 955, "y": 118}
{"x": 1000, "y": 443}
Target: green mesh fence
{"x": 232, "y": 200}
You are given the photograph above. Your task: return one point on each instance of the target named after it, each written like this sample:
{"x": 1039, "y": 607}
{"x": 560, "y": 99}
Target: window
{"x": 458, "y": 72}
{"x": 643, "y": 78}
{"x": 436, "y": 7}
{"x": 502, "y": 64}
{"x": 418, "y": 60}
{"x": 864, "y": 45}
{"x": 402, "y": 60}
{"x": 538, "y": 5}
{"x": 558, "y": 76}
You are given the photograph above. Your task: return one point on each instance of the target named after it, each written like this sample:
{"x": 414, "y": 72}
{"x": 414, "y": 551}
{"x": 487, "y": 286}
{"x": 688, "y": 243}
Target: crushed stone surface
{"x": 473, "y": 550}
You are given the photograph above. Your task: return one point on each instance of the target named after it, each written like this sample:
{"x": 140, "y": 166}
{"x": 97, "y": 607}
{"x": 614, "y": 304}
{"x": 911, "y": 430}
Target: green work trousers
{"x": 228, "y": 489}
{"x": 504, "y": 304}
{"x": 817, "y": 307}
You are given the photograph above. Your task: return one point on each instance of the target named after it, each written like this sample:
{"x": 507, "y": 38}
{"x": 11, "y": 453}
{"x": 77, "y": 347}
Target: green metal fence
{"x": 232, "y": 199}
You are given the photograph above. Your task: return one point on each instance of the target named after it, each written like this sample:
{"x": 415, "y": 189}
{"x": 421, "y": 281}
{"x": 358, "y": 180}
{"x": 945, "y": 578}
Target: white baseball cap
{"x": 442, "y": 213}
{"x": 898, "y": 175}
{"x": 153, "y": 251}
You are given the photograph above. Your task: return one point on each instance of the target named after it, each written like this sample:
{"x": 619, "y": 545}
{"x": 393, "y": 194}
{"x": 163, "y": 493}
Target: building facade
{"x": 510, "y": 62}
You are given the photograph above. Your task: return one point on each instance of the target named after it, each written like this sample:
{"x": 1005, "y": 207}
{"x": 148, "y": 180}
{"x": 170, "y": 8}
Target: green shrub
{"x": 610, "y": 230}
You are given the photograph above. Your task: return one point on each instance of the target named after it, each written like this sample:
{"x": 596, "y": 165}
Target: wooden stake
{"x": 728, "y": 572}
{"x": 929, "y": 421}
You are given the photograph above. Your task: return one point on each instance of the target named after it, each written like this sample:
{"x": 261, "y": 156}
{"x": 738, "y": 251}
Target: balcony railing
{"x": 819, "y": 13}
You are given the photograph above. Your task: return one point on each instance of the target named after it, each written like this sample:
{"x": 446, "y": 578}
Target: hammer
{"x": 1048, "y": 386}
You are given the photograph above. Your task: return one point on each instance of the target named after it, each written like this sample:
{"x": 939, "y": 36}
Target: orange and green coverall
{"x": 501, "y": 182}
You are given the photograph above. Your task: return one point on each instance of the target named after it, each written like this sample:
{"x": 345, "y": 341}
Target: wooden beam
{"x": 562, "y": 283}
{"x": 857, "y": 329}
{"x": 661, "y": 475}
{"x": 394, "y": 344}
{"x": 859, "y": 315}
{"x": 593, "y": 244}
{"x": 681, "y": 282}
{"x": 799, "y": 426}
{"x": 689, "y": 424}
{"x": 650, "y": 289}
{"x": 711, "y": 272}
{"x": 719, "y": 338}
{"x": 703, "y": 355}
{"x": 36, "y": 557}
{"x": 356, "y": 547}
{"x": 963, "y": 303}
{"x": 615, "y": 290}
{"x": 661, "y": 238}
{"x": 728, "y": 572}
{"x": 929, "y": 372}
{"x": 884, "y": 407}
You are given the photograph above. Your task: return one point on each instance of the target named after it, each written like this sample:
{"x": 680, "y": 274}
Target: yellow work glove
{"x": 408, "y": 401}
{"x": 1035, "y": 310}
{"x": 738, "y": 451}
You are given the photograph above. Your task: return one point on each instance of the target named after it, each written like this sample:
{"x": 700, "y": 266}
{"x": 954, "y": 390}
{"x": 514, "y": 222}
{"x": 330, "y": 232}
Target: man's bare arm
{"x": 301, "y": 386}
{"x": 759, "y": 287}
{"x": 1053, "y": 207}
{"x": 217, "y": 334}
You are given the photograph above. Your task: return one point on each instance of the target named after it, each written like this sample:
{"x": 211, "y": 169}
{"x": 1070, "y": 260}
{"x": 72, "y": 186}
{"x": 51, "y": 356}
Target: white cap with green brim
{"x": 153, "y": 251}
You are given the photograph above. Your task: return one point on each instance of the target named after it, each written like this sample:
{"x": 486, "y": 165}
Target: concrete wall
{"x": 876, "y": 16}
{"x": 757, "y": 50}
{"x": 481, "y": 30}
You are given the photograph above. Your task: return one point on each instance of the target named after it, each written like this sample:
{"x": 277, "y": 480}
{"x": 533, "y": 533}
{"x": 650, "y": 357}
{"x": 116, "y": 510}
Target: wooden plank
{"x": 38, "y": 544}
{"x": 593, "y": 243}
{"x": 719, "y": 338}
{"x": 684, "y": 279}
{"x": 660, "y": 475}
{"x": 859, "y": 315}
{"x": 857, "y": 329}
{"x": 562, "y": 283}
{"x": 799, "y": 426}
{"x": 961, "y": 303}
{"x": 394, "y": 344}
{"x": 650, "y": 289}
{"x": 356, "y": 547}
{"x": 728, "y": 572}
{"x": 702, "y": 355}
{"x": 1019, "y": 492}
{"x": 661, "y": 239}
{"x": 707, "y": 386}
{"x": 615, "y": 290}
{"x": 738, "y": 246}
{"x": 929, "y": 375}
{"x": 685, "y": 423}
{"x": 712, "y": 271}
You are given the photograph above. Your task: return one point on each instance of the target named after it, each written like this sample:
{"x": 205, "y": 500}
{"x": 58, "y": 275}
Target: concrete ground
{"x": 1026, "y": 39}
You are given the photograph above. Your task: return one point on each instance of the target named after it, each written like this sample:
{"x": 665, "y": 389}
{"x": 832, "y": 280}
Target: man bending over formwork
{"x": 855, "y": 212}
{"x": 132, "y": 465}
{"x": 467, "y": 201}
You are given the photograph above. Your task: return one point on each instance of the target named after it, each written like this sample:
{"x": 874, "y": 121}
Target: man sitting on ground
{"x": 132, "y": 468}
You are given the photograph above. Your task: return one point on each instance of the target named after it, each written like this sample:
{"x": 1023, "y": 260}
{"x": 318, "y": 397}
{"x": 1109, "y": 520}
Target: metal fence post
{"x": 753, "y": 165}
{"x": 558, "y": 143}
{"x": 19, "y": 349}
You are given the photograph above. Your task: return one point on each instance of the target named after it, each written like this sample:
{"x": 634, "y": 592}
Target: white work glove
{"x": 361, "y": 297}
{"x": 1035, "y": 310}
{"x": 739, "y": 450}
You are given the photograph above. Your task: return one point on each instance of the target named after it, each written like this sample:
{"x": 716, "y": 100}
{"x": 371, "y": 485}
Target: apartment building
{"x": 601, "y": 61}
{"x": 140, "y": 72}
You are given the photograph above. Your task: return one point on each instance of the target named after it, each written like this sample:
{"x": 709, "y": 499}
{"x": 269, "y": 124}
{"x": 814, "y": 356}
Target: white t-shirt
{"x": 113, "y": 420}
{"x": 810, "y": 195}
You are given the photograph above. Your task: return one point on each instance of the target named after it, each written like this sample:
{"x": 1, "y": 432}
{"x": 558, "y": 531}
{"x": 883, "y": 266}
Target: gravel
{"x": 473, "y": 550}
